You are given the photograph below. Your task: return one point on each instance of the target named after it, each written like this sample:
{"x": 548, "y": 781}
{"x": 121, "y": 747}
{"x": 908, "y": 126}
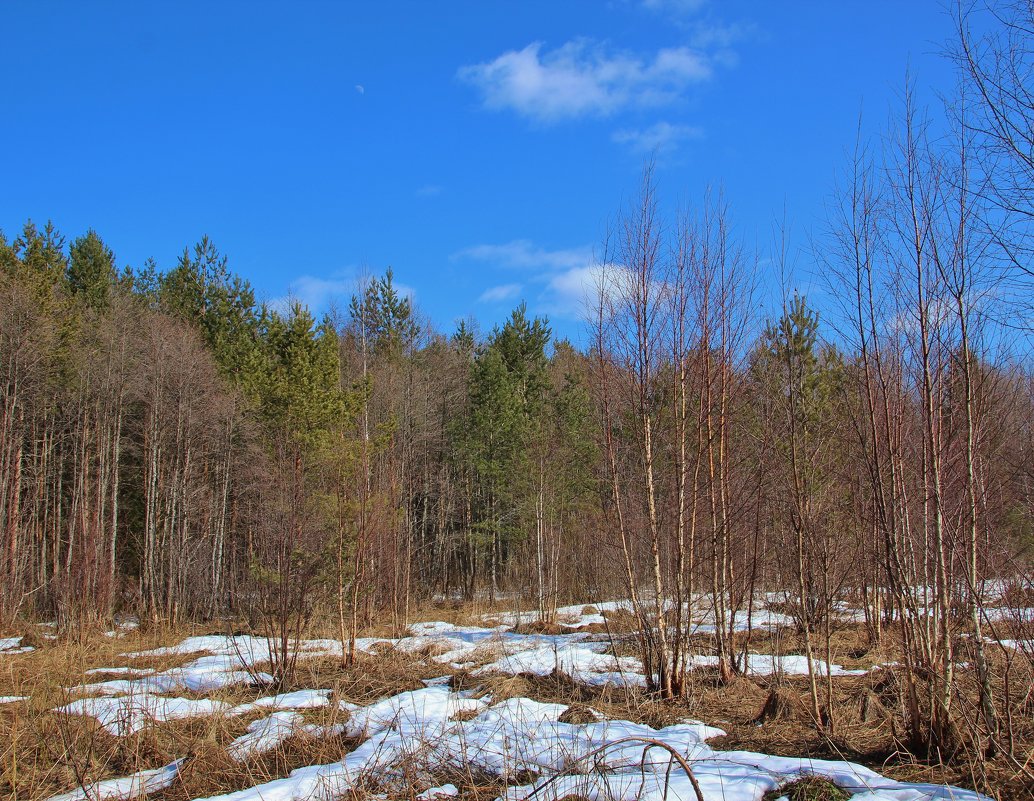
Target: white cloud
{"x": 575, "y": 292}
{"x": 557, "y": 283}
{"x": 318, "y": 293}
{"x": 523, "y": 254}
{"x": 677, "y": 6}
{"x": 722, "y": 35}
{"x": 580, "y": 79}
{"x": 561, "y": 283}
{"x": 360, "y": 89}
{"x": 315, "y": 292}
{"x": 428, "y": 190}
{"x": 569, "y": 293}
{"x": 497, "y": 294}
{"x": 659, "y": 137}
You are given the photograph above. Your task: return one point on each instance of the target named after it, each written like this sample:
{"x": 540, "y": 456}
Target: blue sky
{"x": 476, "y": 147}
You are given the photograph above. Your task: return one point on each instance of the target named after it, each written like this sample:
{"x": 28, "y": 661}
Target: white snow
{"x": 1017, "y": 645}
{"x": 201, "y": 677}
{"x": 129, "y": 714}
{"x": 426, "y": 734}
{"x": 418, "y": 713}
{"x": 790, "y": 665}
{"x": 132, "y": 786}
{"x": 231, "y": 661}
{"x": 12, "y": 645}
{"x": 581, "y": 662}
{"x": 418, "y": 731}
{"x": 12, "y": 699}
{"x": 121, "y": 671}
{"x": 264, "y": 735}
{"x": 300, "y": 699}
{"x": 442, "y": 791}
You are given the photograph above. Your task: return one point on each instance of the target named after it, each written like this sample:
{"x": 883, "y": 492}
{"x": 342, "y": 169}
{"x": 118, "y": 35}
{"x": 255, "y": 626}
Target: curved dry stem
{"x": 649, "y": 743}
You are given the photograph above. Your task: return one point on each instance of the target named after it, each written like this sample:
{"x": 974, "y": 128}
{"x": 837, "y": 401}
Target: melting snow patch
{"x": 418, "y": 713}
{"x": 580, "y": 662}
{"x": 444, "y": 791}
{"x": 132, "y": 786}
{"x": 300, "y": 699}
{"x": 793, "y": 665}
{"x": 12, "y": 645}
{"x": 265, "y": 735}
{"x": 416, "y": 734}
{"x": 129, "y": 714}
{"x": 120, "y": 671}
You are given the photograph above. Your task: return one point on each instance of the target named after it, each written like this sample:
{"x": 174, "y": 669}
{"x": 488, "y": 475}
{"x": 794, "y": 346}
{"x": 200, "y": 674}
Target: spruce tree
{"x": 202, "y": 290}
{"x": 91, "y": 270}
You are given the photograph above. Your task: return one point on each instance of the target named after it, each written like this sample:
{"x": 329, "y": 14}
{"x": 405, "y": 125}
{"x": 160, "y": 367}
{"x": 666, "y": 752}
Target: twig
{"x": 649, "y": 743}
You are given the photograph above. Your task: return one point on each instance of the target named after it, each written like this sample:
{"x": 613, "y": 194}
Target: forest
{"x": 173, "y": 449}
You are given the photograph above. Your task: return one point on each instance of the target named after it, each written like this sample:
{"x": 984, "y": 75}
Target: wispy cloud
{"x": 428, "y": 190}
{"x": 581, "y": 79}
{"x": 319, "y": 293}
{"x": 568, "y": 294}
{"x": 558, "y": 281}
{"x": 705, "y": 31}
{"x": 675, "y": 6}
{"x": 658, "y": 138}
{"x": 498, "y": 294}
{"x": 523, "y": 254}
{"x": 574, "y": 292}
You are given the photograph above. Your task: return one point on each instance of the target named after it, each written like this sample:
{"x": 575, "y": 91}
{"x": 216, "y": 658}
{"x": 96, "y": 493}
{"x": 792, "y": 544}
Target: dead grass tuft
{"x": 579, "y": 714}
{"x": 501, "y": 688}
{"x": 782, "y": 704}
{"x": 808, "y": 788}
{"x": 540, "y": 627}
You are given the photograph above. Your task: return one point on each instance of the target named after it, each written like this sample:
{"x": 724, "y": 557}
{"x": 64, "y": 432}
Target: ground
{"x": 482, "y": 705}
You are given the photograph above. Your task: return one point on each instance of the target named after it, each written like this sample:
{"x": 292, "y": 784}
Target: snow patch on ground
{"x": 417, "y": 734}
{"x": 137, "y": 784}
{"x": 791, "y": 665}
{"x": 129, "y": 714}
{"x": 12, "y": 645}
{"x": 120, "y": 671}
{"x": 264, "y": 735}
{"x": 423, "y": 732}
{"x": 581, "y": 662}
{"x": 299, "y": 699}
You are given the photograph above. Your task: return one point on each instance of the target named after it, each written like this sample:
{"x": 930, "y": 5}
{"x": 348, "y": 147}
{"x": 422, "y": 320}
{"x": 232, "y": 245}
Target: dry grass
{"x": 808, "y": 788}
{"x": 43, "y": 753}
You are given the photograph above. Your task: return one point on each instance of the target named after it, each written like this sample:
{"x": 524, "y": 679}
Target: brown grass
{"x": 43, "y": 753}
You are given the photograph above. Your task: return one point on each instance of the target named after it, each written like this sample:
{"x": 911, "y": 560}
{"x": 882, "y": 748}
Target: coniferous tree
{"x": 91, "y": 270}
{"x": 302, "y": 405}
{"x": 803, "y": 381}
{"x": 202, "y": 290}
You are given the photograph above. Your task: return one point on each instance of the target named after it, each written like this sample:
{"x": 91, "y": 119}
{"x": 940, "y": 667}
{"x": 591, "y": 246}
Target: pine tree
{"x": 301, "y": 404}
{"x": 801, "y": 382}
{"x": 202, "y": 290}
{"x": 41, "y": 252}
{"x": 91, "y": 270}
{"x": 384, "y": 317}
{"x": 508, "y": 397}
